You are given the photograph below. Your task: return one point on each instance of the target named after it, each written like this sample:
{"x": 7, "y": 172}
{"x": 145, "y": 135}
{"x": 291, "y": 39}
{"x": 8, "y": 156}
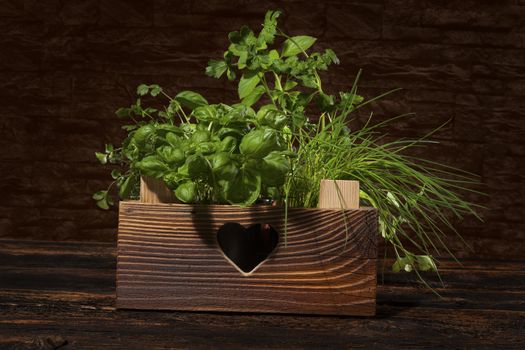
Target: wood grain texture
{"x": 64, "y": 292}
{"x": 168, "y": 258}
{"x": 155, "y": 191}
{"x": 337, "y": 194}
{"x": 68, "y": 65}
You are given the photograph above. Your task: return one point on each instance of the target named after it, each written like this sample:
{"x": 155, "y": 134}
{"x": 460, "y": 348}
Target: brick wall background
{"x": 66, "y": 66}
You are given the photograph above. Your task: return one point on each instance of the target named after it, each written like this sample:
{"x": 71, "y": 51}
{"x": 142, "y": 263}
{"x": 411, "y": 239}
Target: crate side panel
{"x": 168, "y": 258}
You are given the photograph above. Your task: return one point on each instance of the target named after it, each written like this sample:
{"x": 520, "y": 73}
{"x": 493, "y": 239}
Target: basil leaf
{"x": 187, "y": 192}
{"x": 170, "y": 155}
{"x": 229, "y": 132}
{"x": 205, "y": 148}
{"x": 173, "y": 139}
{"x": 244, "y": 189}
{"x": 164, "y": 129}
{"x": 103, "y": 204}
{"x": 126, "y": 186}
{"x": 173, "y": 179}
{"x": 228, "y": 144}
{"x": 273, "y": 169}
{"x": 197, "y": 167}
{"x": 100, "y": 195}
{"x": 103, "y": 200}
{"x": 152, "y": 166}
{"x": 200, "y": 136}
{"x": 205, "y": 113}
{"x": 190, "y": 99}
{"x": 144, "y": 135}
{"x": 258, "y": 143}
{"x": 223, "y": 167}
{"x": 269, "y": 115}
{"x": 297, "y": 44}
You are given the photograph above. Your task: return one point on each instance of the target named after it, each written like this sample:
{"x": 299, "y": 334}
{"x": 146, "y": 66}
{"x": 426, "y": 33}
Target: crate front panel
{"x": 169, "y": 258}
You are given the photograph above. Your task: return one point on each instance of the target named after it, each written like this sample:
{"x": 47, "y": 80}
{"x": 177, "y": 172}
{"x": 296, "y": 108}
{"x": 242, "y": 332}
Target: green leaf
{"x": 205, "y": 113}
{"x": 392, "y": 199}
{"x": 103, "y": 201}
{"x": 258, "y": 143}
{"x": 230, "y": 73}
{"x": 122, "y": 112}
{"x": 190, "y": 99}
{"x": 244, "y": 189}
{"x": 200, "y": 136}
{"x": 173, "y": 139}
{"x": 403, "y": 263}
{"x": 172, "y": 156}
{"x": 103, "y": 204}
{"x": 150, "y": 110}
{"x": 173, "y": 179}
{"x": 269, "y": 115}
{"x": 142, "y": 89}
{"x": 198, "y": 167}
{"x": 155, "y": 90}
{"x": 228, "y": 144}
{"x": 164, "y": 129}
{"x": 273, "y": 55}
{"x": 144, "y": 136}
{"x": 99, "y": 195}
{"x": 290, "y": 84}
{"x": 248, "y": 83}
{"x": 297, "y": 44}
{"x": 102, "y": 157}
{"x": 241, "y": 63}
{"x": 205, "y": 148}
{"x": 331, "y": 56}
{"x": 253, "y": 97}
{"x": 273, "y": 169}
{"x": 216, "y": 68}
{"x": 126, "y": 186}
{"x": 187, "y": 192}
{"x": 325, "y": 102}
{"x": 115, "y": 174}
{"x": 223, "y": 167}
{"x": 425, "y": 263}
{"x": 267, "y": 34}
{"x": 152, "y": 166}
{"x": 129, "y": 128}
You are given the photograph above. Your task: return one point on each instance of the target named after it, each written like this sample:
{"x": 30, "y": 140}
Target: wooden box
{"x": 169, "y": 258}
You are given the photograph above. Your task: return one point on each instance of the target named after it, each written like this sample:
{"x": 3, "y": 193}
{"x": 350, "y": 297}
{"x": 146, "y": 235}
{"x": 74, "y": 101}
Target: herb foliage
{"x": 266, "y": 146}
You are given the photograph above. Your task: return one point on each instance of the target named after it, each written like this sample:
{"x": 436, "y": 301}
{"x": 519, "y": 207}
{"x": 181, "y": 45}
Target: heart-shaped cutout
{"x": 247, "y": 248}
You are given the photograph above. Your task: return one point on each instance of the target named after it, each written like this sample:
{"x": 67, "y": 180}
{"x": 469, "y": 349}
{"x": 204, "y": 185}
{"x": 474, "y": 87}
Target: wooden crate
{"x": 169, "y": 258}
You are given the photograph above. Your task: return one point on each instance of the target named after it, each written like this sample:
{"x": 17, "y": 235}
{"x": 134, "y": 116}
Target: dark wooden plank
{"x": 55, "y": 302}
{"x": 169, "y": 258}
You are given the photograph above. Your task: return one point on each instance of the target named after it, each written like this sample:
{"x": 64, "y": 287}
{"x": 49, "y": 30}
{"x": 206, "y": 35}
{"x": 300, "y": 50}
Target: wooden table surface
{"x": 61, "y": 296}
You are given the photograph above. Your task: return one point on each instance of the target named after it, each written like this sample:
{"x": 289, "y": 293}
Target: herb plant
{"x": 267, "y": 146}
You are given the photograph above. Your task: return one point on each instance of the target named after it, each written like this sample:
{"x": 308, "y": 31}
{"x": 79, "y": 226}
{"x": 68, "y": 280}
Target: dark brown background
{"x": 66, "y": 66}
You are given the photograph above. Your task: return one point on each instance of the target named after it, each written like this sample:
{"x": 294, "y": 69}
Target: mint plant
{"x": 267, "y": 146}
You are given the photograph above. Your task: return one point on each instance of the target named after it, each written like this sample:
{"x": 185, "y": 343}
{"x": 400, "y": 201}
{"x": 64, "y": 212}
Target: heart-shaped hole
{"x": 247, "y": 248}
